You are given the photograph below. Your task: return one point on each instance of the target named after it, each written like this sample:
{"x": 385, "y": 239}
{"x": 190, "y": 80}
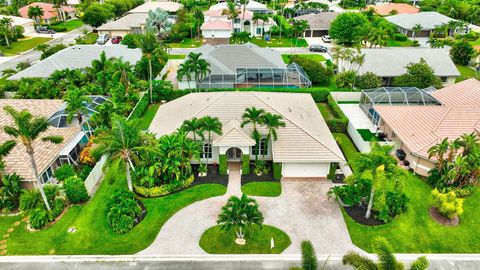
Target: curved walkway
{"x": 303, "y": 211}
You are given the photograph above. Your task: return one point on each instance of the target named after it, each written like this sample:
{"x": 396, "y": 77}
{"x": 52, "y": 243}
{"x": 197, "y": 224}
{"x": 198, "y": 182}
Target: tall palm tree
{"x": 184, "y": 71}
{"x": 299, "y": 27}
{"x": 243, "y": 4}
{"x": 272, "y": 122}
{"x": 386, "y": 259}
{"x": 211, "y": 125}
{"x": 231, "y": 11}
{"x": 198, "y": 66}
{"x": 123, "y": 73}
{"x": 148, "y": 43}
{"x": 416, "y": 29}
{"x": 99, "y": 70}
{"x": 124, "y": 143}
{"x": 26, "y": 130}
{"x": 439, "y": 151}
{"x": 6, "y": 25}
{"x": 77, "y": 105}
{"x": 193, "y": 126}
{"x": 253, "y": 116}
{"x": 35, "y": 12}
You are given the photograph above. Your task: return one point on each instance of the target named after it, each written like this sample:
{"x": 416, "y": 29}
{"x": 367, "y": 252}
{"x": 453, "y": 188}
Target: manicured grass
{"x": 176, "y": 56}
{"x": 396, "y": 43}
{"x": 368, "y": 136}
{"x": 23, "y": 45}
{"x": 475, "y": 42}
{"x": 216, "y": 241}
{"x": 275, "y": 42}
{"x": 94, "y": 235}
{"x": 348, "y": 148}
{"x": 187, "y": 43}
{"x": 415, "y": 232}
{"x": 71, "y": 24}
{"x": 266, "y": 189}
{"x": 315, "y": 57}
{"x": 149, "y": 115}
{"x": 90, "y": 39}
{"x": 326, "y": 111}
{"x": 466, "y": 73}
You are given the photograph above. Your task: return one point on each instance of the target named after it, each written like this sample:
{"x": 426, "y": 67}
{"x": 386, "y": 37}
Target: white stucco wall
{"x": 216, "y": 33}
{"x": 184, "y": 85}
{"x": 305, "y": 169}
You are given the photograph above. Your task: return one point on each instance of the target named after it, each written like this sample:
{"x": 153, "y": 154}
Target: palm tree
{"x": 26, "y": 130}
{"x": 272, "y": 122}
{"x": 149, "y": 45}
{"x": 5, "y": 149}
{"x": 124, "y": 143}
{"x": 199, "y": 67}
{"x": 282, "y": 4}
{"x": 77, "y": 105}
{"x": 158, "y": 22}
{"x": 184, "y": 71}
{"x": 193, "y": 126}
{"x": 240, "y": 214}
{"x": 243, "y": 4}
{"x": 299, "y": 27}
{"x": 231, "y": 11}
{"x": 123, "y": 73}
{"x": 35, "y": 12}
{"x": 211, "y": 125}
{"x": 416, "y": 29}
{"x": 99, "y": 70}
{"x": 378, "y": 37}
{"x": 378, "y": 181}
{"x": 386, "y": 259}
{"x": 439, "y": 151}
{"x": 253, "y": 116}
{"x": 6, "y": 28}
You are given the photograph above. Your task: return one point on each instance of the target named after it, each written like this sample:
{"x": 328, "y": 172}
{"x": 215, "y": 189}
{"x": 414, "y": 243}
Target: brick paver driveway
{"x": 303, "y": 211}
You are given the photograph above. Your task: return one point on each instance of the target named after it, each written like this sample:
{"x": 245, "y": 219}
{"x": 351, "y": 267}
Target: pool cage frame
{"x": 59, "y": 119}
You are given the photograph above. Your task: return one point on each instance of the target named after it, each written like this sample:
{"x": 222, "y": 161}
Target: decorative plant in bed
{"x": 447, "y": 208}
{"x": 124, "y": 211}
{"x": 373, "y": 193}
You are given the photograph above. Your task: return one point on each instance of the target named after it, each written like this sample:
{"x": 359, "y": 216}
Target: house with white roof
{"x": 26, "y": 23}
{"x": 305, "y": 147}
{"x": 253, "y": 6}
{"x": 428, "y": 20}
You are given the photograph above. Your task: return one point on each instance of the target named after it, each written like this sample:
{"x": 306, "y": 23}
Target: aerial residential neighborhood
{"x": 240, "y": 134}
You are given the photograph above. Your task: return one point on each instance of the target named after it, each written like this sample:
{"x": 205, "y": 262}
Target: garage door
{"x": 305, "y": 169}
{"x": 319, "y": 33}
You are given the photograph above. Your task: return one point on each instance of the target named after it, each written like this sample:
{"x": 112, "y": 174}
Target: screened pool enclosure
{"x": 59, "y": 119}
{"x": 391, "y": 96}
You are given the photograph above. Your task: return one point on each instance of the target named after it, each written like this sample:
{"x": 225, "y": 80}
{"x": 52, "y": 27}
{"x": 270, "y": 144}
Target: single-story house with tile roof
{"x": 305, "y": 147}
{"x": 253, "y": 6}
{"x": 48, "y": 156}
{"x": 428, "y": 20}
{"x": 49, "y": 11}
{"x": 27, "y": 24}
{"x": 319, "y": 24}
{"x": 415, "y": 129}
{"x": 78, "y": 56}
{"x": 389, "y": 63}
{"x": 388, "y": 8}
{"x": 245, "y": 66}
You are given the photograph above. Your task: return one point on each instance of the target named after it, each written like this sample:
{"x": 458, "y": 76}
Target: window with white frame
{"x": 206, "y": 151}
{"x": 262, "y": 148}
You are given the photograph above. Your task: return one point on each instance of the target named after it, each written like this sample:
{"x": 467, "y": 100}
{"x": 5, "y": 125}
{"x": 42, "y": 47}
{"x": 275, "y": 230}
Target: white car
{"x": 326, "y": 39}
{"x": 102, "y": 39}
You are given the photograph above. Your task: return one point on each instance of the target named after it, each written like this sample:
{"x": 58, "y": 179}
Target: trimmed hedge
{"x": 400, "y": 37}
{"x": 75, "y": 190}
{"x": 277, "y": 170}
{"x": 163, "y": 189}
{"x": 140, "y": 108}
{"x": 222, "y": 166}
{"x": 245, "y": 164}
{"x": 333, "y": 168}
{"x": 340, "y": 123}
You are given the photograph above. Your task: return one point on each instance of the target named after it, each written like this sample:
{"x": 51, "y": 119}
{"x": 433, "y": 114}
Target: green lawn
{"x": 266, "y": 189}
{"x": 23, "y": 45}
{"x": 216, "y": 241}
{"x": 176, "y": 56}
{"x": 149, "y": 115}
{"x": 94, "y": 235}
{"x": 71, "y": 24}
{"x": 275, "y": 42}
{"x": 187, "y": 43}
{"x": 395, "y": 43}
{"x": 90, "y": 39}
{"x": 315, "y": 57}
{"x": 466, "y": 73}
{"x": 326, "y": 111}
{"x": 348, "y": 148}
{"x": 475, "y": 43}
{"x": 367, "y": 135}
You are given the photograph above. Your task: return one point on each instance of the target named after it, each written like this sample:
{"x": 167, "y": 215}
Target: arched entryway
{"x": 247, "y": 26}
{"x": 234, "y": 154}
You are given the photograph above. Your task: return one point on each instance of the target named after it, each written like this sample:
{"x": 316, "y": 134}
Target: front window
{"x": 47, "y": 175}
{"x": 236, "y": 21}
{"x": 206, "y": 151}
{"x": 262, "y": 149}
{"x": 259, "y": 31}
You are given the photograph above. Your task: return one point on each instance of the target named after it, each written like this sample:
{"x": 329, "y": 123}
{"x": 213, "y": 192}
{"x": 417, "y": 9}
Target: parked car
{"x": 401, "y": 154}
{"x": 317, "y": 48}
{"x": 45, "y": 30}
{"x": 326, "y": 39}
{"x": 102, "y": 39}
{"x": 116, "y": 39}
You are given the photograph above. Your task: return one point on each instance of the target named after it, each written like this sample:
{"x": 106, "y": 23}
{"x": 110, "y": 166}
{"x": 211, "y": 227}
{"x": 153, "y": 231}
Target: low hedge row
{"x": 140, "y": 108}
{"x": 277, "y": 170}
{"x": 163, "y": 189}
{"x": 340, "y": 123}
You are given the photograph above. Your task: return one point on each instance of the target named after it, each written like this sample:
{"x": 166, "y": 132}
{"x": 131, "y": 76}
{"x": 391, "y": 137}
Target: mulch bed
{"x": 252, "y": 177}
{"x": 213, "y": 177}
{"x": 142, "y": 215}
{"x": 358, "y": 214}
{"x": 435, "y": 214}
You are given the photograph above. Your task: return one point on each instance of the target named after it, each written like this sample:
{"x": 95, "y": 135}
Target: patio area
{"x": 357, "y": 117}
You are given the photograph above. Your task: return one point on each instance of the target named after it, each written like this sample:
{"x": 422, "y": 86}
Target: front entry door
{"x": 234, "y": 154}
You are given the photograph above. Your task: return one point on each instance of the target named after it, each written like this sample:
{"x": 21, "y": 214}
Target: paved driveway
{"x": 303, "y": 211}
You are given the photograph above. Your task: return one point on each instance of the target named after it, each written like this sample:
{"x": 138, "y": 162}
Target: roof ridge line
{"x": 307, "y": 132}
{"x": 441, "y": 120}
{"x": 204, "y": 107}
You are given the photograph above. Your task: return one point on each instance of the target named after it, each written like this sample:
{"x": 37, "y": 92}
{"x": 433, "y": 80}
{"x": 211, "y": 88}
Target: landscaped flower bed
{"x": 162, "y": 190}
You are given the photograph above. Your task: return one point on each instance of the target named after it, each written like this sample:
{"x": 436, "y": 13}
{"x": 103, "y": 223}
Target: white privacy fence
{"x": 362, "y": 145}
{"x": 95, "y": 176}
{"x": 346, "y": 96}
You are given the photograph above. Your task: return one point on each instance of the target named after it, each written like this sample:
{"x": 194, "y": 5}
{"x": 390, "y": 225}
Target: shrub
{"x": 415, "y": 43}
{"x": 277, "y": 170}
{"x": 75, "y": 190}
{"x": 368, "y": 80}
{"x": 346, "y": 78}
{"x": 222, "y": 164}
{"x": 130, "y": 40}
{"x": 465, "y": 191}
{"x": 30, "y": 199}
{"x": 462, "y": 52}
{"x": 63, "y": 172}
{"x": 59, "y": 28}
{"x": 85, "y": 172}
{"x": 400, "y": 37}
{"x": 157, "y": 191}
{"x": 447, "y": 204}
{"x": 309, "y": 258}
{"x": 86, "y": 154}
{"x": 10, "y": 192}
{"x": 340, "y": 123}
{"x": 141, "y": 107}
{"x": 317, "y": 72}
{"x": 123, "y": 209}
{"x": 245, "y": 164}
{"x": 39, "y": 217}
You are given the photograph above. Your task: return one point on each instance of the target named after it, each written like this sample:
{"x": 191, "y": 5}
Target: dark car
{"x": 317, "y": 48}
{"x": 116, "y": 40}
{"x": 45, "y": 30}
{"x": 401, "y": 154}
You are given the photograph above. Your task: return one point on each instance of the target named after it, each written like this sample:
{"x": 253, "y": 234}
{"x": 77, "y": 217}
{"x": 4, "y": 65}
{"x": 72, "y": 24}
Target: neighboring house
{"x": 218, "y": 28}
{"x": 48, "y": 156}
{"x": 299, "y": 10}
{"x": 78, "y": 56}
{"x": 245, "y": 66}
{"x": 389, "y": 8}
{"x": 253, "y": 6}
{"x": 416, "y": 128}
{"x": 27, "y": 24}
{"x": 389, "y": 63}
{"x": 49, "y": 11}
{"x": 133, "y": 22}
{"x": 305, "y": 146}
{"x": 428, "y": 21}
{"x": 319, "y": 24}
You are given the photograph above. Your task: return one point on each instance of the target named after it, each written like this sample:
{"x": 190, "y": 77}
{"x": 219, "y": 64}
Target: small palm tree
{"x": 184, "y": 71}
{"x": 6, "y": 25}
{"x": 231, "y": 11}
{"x": 149, "y": 44}
{"x": 211, "y": 125}
{"x": 194, "y": 126}
{"x": 439, "y": 151}
{"x": 77, "y": 105}
{"x": 386, "y": 259}
{"x": 272, "y": 122}
{"x": 240, "y": 214}
{"x": 158, "y": 22}
{"x": 26, "y": 130}
{"x": 198, "y": 66}
{"x": 35, "y": 12}
{"x": 253, "y": 116}
{"x": 122, "y": 72}
{"x": 416, "y": 29}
